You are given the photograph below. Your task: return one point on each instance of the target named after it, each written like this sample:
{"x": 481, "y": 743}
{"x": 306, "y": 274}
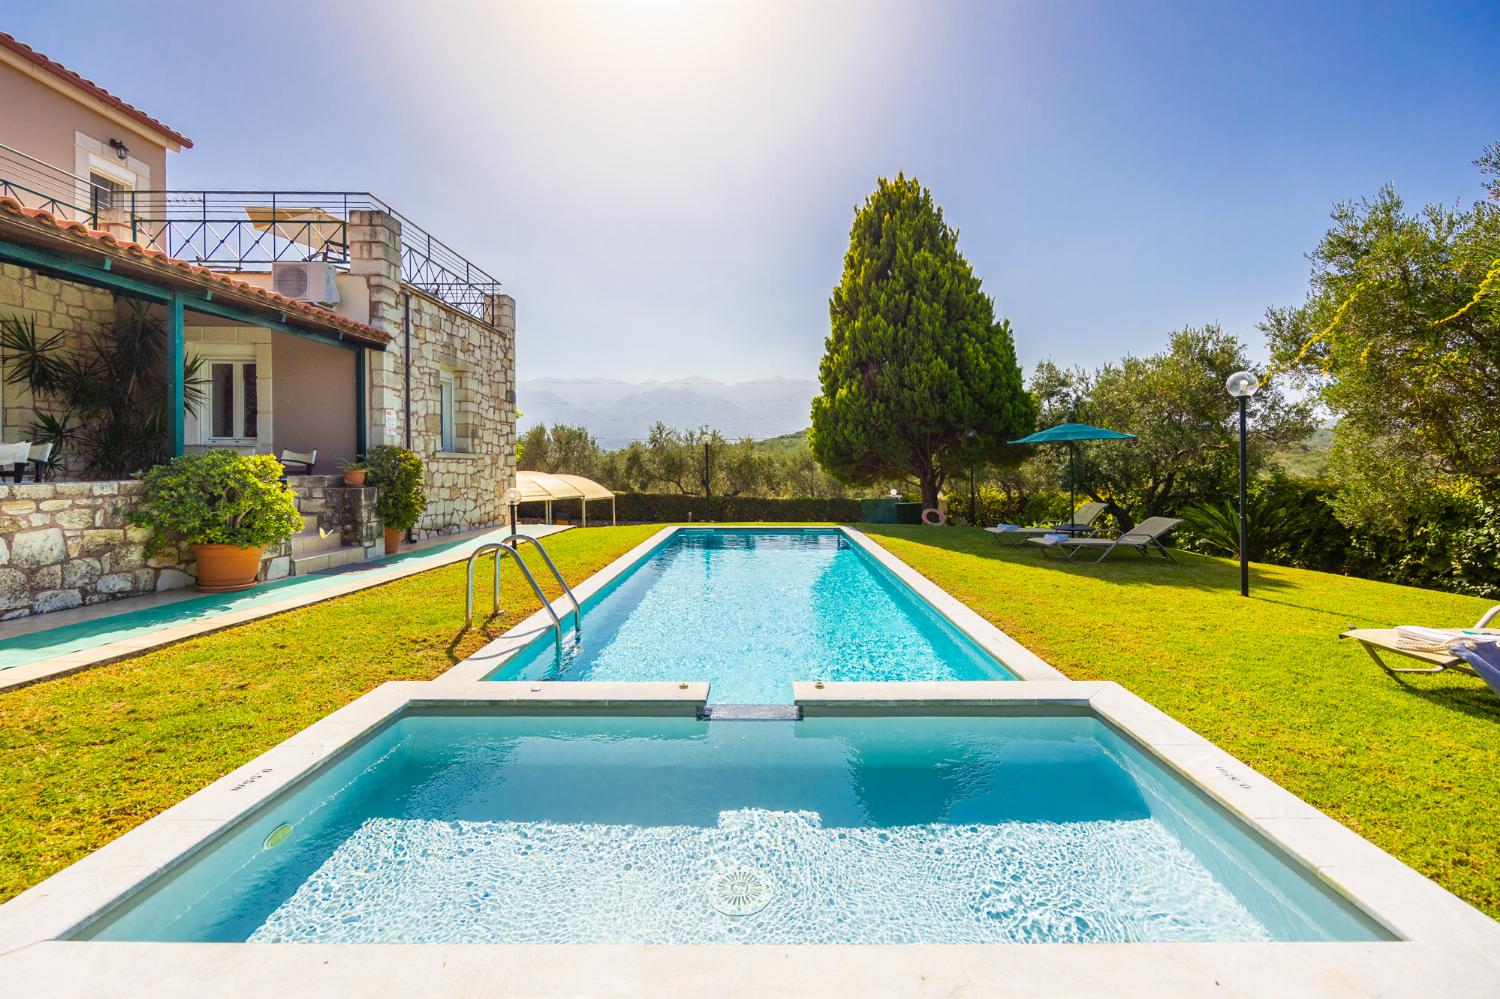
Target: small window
{"x": 232, "y": 402}
{"x": 446, "y": 404}
{"x": 109, "y": 194}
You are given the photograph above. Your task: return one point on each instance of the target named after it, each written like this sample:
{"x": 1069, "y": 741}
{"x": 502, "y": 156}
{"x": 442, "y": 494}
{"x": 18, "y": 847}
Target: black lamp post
{"x": 704, "y": 439}
{"x": 1242, "y": 385}
{"x": 972, "y": 436}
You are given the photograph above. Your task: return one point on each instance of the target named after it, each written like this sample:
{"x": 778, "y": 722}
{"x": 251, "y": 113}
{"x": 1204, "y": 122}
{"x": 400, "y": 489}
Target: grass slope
{"x": 88, "y": 757}
{"x": 1412, "y": 764}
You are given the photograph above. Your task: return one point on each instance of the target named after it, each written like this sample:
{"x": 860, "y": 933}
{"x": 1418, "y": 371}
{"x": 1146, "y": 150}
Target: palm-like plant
{"x": 105, "y": 399}
{"x": 1274, "y": 523}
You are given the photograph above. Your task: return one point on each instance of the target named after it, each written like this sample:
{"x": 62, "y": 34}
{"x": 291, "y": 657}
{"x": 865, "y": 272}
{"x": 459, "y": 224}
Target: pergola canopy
{"x": 545, "y": 487}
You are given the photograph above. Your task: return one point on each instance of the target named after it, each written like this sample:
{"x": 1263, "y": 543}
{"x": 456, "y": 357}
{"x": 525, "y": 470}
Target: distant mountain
{"x": 619, "y": 412}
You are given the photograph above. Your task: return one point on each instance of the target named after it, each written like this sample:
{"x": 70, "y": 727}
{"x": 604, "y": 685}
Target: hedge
{"x": 669, "y": 508}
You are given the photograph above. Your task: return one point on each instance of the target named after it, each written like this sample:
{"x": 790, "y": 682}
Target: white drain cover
{"x": 739, "y": 892}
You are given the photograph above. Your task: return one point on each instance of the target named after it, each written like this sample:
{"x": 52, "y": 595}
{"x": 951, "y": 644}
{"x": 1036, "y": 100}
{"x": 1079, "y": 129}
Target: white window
{"x": 231, "y": 407}
{"x": 108, "y": 193}
{"x": 446, "y": 397}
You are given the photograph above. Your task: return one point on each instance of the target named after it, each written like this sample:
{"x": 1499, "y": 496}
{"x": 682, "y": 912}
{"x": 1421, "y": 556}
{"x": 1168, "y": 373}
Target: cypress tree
{"x": 914, "y": 358}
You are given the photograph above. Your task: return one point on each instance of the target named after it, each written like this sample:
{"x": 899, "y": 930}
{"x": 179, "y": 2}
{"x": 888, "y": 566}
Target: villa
{"x": 316, "y": 322}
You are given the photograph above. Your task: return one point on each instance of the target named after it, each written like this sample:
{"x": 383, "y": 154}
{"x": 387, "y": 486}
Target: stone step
{"x": 304, "y": 545}
{"x": 330, "y": 559}
{"x": 309, "y": 524}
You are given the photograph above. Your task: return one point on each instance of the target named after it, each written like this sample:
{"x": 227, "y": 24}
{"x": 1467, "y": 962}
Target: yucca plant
{"x": 102, "y": 397}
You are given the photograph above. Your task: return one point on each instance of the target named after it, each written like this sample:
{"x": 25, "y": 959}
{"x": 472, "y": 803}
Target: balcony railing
{"x": 38, "y": 184}
{"x": 246, "y": 230}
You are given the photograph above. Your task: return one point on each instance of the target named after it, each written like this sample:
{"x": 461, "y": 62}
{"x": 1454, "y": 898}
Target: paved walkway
{"x": 48, "y": 645}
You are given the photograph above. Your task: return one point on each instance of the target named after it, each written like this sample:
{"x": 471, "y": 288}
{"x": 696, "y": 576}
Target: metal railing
{"x": 38, "y": 184}
{"x": 246, "y": 230}
{"x": 249, "y": 230}
{"x": 508, "y": 547}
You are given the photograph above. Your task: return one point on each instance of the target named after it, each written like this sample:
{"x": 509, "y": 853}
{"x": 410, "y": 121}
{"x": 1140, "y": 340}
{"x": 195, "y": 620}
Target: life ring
{"x": 933, "y": 517}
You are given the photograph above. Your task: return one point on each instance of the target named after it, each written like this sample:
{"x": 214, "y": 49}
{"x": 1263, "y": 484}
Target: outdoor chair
{"x": 13, "y": 456}
{"x": 1144, "y": 537}
{"x": 306, "y": 460}
{"x": 37, "y": 457}
{"x": 1430, "y": 645}
{"x": 1082, "y": 524}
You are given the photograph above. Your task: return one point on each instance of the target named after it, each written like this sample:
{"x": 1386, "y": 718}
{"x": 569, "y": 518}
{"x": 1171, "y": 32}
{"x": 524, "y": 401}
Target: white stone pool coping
{"x": 1021, "y": 661}
{"x": 1447, "y": 948}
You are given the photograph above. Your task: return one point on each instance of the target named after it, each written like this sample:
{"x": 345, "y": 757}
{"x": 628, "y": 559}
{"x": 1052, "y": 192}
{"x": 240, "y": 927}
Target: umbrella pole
{"x": 1072, "y": 484}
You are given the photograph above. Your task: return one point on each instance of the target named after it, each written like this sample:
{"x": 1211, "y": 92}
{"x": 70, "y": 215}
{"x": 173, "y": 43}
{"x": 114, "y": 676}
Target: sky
{"x": 666, "y": 188}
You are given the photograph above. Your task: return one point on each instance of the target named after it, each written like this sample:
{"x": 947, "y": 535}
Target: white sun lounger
{"x": 1144, "y": 537}
{"x": 1081, "y": 524}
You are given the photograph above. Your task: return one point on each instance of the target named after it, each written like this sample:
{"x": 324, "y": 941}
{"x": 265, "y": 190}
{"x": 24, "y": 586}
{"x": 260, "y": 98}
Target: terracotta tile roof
{"x": 170, "y": 268}
{"x": 93, "y": 89}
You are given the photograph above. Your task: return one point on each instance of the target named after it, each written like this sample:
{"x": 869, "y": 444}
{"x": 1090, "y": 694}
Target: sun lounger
{"x": 1144, "y": 537}
{"x": 1382, "y": 640}
{"x": 1081, "y": 524}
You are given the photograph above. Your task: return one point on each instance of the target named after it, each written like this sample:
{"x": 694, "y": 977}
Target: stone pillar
{"x": 500, "y": 312}
{"x": 375, "y": 257}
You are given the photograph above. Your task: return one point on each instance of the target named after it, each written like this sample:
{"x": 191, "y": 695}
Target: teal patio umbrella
{"x": 1071, "y": 433}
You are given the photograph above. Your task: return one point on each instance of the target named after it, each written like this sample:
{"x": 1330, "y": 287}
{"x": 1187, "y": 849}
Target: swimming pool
{"x": 752, "y": 610}
{"x": 470, "y": 826}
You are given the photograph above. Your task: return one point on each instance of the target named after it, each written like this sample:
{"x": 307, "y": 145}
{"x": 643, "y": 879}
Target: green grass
{"x": 87, "y": 757}
{"x": 1413, "y": 764}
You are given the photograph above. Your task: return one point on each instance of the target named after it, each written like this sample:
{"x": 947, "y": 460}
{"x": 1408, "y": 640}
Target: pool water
{"x": 750, "y": 611}
{"x": 502, "y": 829}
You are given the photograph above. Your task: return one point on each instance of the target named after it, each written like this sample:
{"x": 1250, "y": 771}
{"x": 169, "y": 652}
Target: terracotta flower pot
{"x": 355, "y": 478}
{"x": 392, "y": 540}
{"x": 226, "y": 568}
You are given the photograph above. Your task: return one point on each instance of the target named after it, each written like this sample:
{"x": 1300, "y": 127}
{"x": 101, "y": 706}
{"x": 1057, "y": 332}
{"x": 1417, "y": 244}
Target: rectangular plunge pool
{"x": 467, "y": 826}
{"x": 750, "y": 611}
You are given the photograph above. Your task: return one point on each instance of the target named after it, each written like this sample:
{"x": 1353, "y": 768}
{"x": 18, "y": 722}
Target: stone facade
{"x": 58, "y": 307}
{"x": 70, "y": 544}
{"x": 464, "y": 485}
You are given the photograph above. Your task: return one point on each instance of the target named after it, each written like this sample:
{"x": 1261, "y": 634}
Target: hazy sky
{"x": 666, "y": 188}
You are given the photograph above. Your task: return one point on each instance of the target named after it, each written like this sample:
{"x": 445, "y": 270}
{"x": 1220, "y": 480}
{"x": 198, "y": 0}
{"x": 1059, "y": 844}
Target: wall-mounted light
{"x": 121, "y": 150}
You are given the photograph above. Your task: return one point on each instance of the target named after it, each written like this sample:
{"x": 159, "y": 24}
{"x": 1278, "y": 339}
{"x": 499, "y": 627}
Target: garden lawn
{"x": 86, "y": 757}
{"x": 1412, "y": 764}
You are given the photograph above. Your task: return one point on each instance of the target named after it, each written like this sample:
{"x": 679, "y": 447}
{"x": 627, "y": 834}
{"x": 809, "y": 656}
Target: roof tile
{"x": 92, "y": 89}
{"x": 160, "y": 261}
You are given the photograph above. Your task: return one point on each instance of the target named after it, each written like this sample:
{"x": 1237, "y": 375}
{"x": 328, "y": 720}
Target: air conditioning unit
{"x": 306, "y": 281}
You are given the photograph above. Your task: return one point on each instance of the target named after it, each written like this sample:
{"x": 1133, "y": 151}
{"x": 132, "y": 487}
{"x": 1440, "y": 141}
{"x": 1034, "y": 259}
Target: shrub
{"x": 397, "y": 473}
{"x": 1276, "y": 524}
{"x": 217, "y": 498}
{"x": 104, "y": 392}
{"x": 654, "y": 508}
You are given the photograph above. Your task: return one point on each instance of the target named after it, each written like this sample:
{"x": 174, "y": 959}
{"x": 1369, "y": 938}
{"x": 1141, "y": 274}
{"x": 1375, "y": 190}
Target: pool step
{"x": 750, "y": 712}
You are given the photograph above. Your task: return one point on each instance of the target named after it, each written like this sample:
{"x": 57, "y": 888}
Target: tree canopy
{"x": 1187, "y": 437}
{"x": 1400, "y": 338}
{"x": 918, "y": 378}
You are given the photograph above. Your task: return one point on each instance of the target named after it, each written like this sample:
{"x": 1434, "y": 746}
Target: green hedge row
{"x": 661, "y": 508}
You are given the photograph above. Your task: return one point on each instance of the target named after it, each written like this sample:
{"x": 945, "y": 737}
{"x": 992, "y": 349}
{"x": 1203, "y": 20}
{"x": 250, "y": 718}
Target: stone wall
{"x": 57, "y": 306}
{"x": 67, "y": 544}
{"x": 70, "y": 544}
{"x": 465, "y": 485}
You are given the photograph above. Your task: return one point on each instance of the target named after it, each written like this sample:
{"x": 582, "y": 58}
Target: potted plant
{"x": 397, "y": 473}
{"x": 228, "y": 507}
{"x": 354, "y": 473}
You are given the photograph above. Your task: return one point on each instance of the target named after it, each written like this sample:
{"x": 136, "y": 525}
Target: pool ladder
{"x": 510, "y": 547}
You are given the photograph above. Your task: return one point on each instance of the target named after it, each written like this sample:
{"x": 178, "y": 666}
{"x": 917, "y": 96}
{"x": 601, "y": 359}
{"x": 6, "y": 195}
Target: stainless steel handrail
{"x": 577, "y": 610}
{"x": 501, "y": 549}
